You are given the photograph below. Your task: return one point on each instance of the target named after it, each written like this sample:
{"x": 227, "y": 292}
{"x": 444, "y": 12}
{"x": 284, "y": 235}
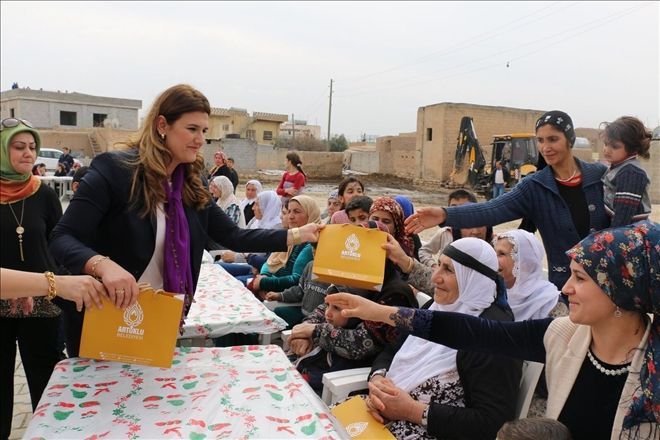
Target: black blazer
{"x": 101, "y": 220}
{"x": 490, "y": 385}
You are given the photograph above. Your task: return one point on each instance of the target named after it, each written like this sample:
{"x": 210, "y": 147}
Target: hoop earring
{"x": 617, "y": 312}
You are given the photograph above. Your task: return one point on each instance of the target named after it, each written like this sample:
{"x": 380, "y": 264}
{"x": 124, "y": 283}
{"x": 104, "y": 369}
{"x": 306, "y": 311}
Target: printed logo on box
{"x": 133, "y": 317}
{"x": 352, "y": 244}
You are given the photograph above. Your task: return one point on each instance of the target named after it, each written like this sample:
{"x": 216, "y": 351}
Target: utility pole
{"x": 293, "y": 128}
{"x": 330, "y": 111}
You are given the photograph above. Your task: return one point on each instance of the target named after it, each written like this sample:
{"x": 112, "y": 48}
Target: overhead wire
{"x": 462, "y": 45}
{"x": 593, "y": 25}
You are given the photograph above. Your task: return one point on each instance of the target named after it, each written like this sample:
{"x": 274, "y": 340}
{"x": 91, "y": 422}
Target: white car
{"x": 49, "y": 157}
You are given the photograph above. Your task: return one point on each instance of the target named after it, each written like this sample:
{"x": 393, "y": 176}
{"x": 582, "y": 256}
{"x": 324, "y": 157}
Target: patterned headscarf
{"x": 559, "y": 120}
{"x": 388, "y": 204}
{"x": 625, "y": 263}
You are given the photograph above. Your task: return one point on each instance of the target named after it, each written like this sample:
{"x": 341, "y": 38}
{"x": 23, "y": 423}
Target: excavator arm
{"x": 469, "y": 161}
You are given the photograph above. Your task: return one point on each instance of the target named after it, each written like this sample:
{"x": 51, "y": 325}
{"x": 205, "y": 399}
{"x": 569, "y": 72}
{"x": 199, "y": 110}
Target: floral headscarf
{"x": 390, "y": 205}
{"x": 625, "y": 263}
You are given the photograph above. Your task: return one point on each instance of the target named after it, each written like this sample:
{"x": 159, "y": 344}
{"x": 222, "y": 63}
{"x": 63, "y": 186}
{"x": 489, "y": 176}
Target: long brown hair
{"x": 150, "y": 166}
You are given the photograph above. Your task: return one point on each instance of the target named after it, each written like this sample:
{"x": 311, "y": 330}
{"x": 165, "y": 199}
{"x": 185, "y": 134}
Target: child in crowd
{"x": 318, "y": 361}
{"x": 358, "y": 208}
{"x": 348, "y": 188}
{"x": 625, "y": 183}
{"x": 533, "y": 429}
{"x": 334, "y": 205}
{"x": 294, "y": 178}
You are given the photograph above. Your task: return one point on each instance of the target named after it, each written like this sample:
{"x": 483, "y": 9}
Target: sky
{"x": 595, "y": 60}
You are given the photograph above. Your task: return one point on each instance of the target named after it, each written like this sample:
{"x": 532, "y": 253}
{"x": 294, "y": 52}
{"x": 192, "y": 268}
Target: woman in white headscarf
{"x": 227, "y": 200}
{"x": 267, "y": 209}
{"x": 520, "y": 257}
{"x": 468, "y": 395}
{"x": 252, "y": 189}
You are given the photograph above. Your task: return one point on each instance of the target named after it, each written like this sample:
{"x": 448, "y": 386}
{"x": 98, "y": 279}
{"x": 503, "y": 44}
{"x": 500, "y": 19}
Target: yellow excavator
{"x": 516, "y": 151}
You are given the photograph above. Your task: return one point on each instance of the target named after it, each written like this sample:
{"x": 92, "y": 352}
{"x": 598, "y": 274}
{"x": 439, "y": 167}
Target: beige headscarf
{"x": 277, "y": 260}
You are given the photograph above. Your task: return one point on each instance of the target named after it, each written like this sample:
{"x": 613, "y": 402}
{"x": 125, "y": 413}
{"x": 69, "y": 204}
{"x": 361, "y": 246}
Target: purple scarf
{"x": 177, "y": 271}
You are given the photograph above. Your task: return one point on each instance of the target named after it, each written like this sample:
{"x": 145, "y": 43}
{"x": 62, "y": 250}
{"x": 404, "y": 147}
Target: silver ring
{"x": 120, "y": 291}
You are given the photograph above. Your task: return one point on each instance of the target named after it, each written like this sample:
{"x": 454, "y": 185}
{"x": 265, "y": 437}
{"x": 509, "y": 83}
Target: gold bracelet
{"x": 410, "y": 265}
{"x": 98, "y": 260}
{"x": 52, "y": 292}
{"x": 295, "y": 232}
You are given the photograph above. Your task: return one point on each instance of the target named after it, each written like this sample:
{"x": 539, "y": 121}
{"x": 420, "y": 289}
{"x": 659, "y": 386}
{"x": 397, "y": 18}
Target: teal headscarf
{"x": 7, "y": 172}
{"x": 625, "y": 263}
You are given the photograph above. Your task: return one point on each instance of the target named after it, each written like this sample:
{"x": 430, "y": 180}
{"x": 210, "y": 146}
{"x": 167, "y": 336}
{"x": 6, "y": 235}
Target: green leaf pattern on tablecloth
{"x": 212, "y": 393}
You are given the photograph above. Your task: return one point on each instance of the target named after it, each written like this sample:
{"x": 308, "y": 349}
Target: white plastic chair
{"x": 339, "y": 384}
{"x": 531, "y": 371}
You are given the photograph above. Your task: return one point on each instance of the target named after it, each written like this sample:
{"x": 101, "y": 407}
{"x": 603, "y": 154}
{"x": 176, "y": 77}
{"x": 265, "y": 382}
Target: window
{"x": 268, "y": 135}
{"x": 429, "y": 134}
{"x": 68, "y": 118}
{"x": 98, "y": 119}
{"x": 251, "y": 134}
{"x": 11, "y": 113}
{"x": 225, "y": 127}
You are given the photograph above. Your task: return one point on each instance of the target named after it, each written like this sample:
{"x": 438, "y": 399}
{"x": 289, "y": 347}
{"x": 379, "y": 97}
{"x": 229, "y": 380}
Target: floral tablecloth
{"x": 237, "y": 392}
{"x": 223, "y": 305}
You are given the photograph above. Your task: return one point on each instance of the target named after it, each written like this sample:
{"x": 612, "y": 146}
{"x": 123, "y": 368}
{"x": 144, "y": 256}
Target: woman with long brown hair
{"x": 142, "y": 214}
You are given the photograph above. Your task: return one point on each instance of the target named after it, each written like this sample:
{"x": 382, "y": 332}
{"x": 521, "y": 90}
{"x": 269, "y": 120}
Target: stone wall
{"x": 317, "y": 164}
{"x": 397, "y": 155}
{"x": 365, "y": 161}
{"x": 249, "y": 157}
{"x": 79, "y": 140}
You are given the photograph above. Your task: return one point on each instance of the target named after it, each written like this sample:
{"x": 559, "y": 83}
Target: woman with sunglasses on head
{"x": 28, "y": 213}
{"x": 142, "y": 213}
{"x": 564, "y": 200}
{"x": 601, "y": 362}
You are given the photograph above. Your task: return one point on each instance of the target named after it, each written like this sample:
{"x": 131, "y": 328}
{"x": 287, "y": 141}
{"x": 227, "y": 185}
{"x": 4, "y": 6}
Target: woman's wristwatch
{"x": 379, "y": 372}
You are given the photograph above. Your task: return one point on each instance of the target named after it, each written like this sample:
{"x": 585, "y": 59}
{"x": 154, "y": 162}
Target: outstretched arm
{"x": 522, "y": 340}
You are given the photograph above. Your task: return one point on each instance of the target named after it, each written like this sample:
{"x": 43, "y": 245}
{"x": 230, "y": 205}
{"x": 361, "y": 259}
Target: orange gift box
{"x": 350, "y": 255}
{"x": 144, "y": 333}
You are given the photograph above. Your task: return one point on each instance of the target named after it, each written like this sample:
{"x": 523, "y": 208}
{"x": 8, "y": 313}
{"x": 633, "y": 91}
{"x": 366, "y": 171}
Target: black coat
{"x": 490, "y": 384}
{"x": 101, "y": 220}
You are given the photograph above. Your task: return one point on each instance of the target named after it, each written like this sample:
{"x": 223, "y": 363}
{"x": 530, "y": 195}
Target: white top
{"x": 153, "y": 274}
{"x": 499, "y": 176}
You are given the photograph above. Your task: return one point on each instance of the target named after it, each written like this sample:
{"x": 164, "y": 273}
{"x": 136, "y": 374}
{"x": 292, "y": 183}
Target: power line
{"x": 462, "y": 45}
{"x": 596, "y": 23}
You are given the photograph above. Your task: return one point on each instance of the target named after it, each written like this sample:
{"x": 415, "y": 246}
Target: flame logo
{"x": 357, "y": 428}
{"x": 352, "y": 243}
{"x": 133, "y": 315}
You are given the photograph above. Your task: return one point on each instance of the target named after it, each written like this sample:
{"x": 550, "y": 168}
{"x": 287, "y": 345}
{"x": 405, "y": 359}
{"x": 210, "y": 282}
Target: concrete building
{"x": 260, "y": 127}
{"x": 53, "y": 110}
{"x": 437, "y": 132}
{"x": 301, "y": 128}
